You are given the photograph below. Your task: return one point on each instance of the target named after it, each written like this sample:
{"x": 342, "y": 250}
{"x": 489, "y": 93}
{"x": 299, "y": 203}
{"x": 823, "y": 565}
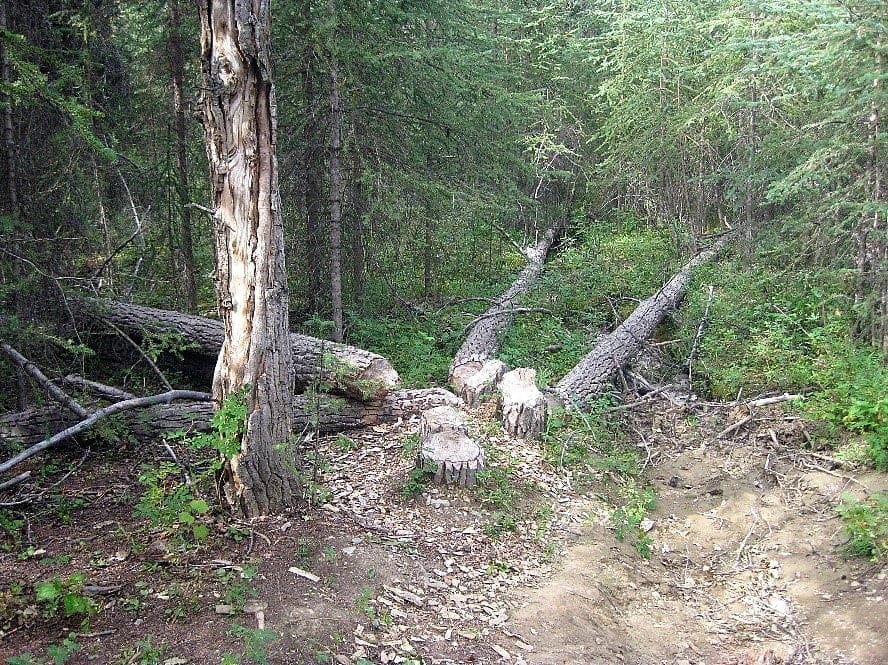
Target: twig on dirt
{"x": 639, "y": 402}
{"x": 32, "y": 498}
{"x": 700, "y": 328}
{"x": 731, "y": 428}
{"x": 186, "y": 476}
{"x": 22, "y": 477}
{"x": 88, "y": 423}
{"x": 841, "y": 476}
{"x": 743, "y": 544}
{"x": 52, "y": 390}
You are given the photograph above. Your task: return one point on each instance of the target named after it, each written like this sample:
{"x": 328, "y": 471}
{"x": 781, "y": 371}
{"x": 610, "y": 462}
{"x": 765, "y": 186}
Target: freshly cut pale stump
{"x": 472, "y": 383}
{"x": 522, "y": 406}
{"x": 447, "y": 449}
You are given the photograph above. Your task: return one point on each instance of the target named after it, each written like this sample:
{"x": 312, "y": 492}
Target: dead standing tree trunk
{"x": 474, "y": 369}
{"x": 240, "y": 126}
{"x": 592, "y": 375}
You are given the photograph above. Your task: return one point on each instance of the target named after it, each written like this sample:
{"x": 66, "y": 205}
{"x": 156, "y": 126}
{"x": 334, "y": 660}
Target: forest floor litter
{"x": 745, "y": 563}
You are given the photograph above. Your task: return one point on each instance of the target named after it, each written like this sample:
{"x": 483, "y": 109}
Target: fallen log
{"x": 523, "y": 408}
{"x": 593, "y": 374}
{"x": 101, "y": 414}
{"x": 358, "y": 373}
{"x": 446, "y": 449}
{"x": 482, "y": 342}
{"x": 323, "y": 413}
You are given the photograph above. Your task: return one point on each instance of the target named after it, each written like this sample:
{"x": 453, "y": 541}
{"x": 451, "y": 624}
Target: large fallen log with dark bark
{"x": 593, "y": 374}
{"x": 358, "y": 373}
{"x": 312, "y": 412}
{"x": 475, "y": 370}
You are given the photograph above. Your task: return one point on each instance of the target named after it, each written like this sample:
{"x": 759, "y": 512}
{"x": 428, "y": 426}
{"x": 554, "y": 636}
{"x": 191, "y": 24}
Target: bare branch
{"x": 101, "y": 414}
{"x": 52, "y": 390}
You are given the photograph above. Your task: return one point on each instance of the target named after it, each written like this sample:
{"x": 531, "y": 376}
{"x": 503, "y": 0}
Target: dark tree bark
{"x": 335, "y": 193}
{"x": 311, "y": 165}
{"x": 239, "y": 116}
{"x": 9, "y": 154}
{"x": 483, "y": 340}
{"x": 322, "y": 413}
{"x": 592, "y": 375}
{"x": 358, "y": 373}
{"x": 177, "y": 75}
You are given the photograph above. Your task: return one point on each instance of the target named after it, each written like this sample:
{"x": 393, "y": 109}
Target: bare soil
{"x": 746, "y": 563}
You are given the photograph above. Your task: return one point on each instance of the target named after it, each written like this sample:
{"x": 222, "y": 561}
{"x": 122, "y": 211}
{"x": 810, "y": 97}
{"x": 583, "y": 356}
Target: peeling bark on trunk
{"x": 593, "y": 374}
{"x": 239, "y": 116}
{"x": 322, "y": 413}
{"x": 358, "y": 373}
{"x": 483, "y": 340}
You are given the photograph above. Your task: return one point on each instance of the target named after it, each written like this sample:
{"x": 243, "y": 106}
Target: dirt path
{"x": 744, "y": 565}
{"x": 744, "y": 562}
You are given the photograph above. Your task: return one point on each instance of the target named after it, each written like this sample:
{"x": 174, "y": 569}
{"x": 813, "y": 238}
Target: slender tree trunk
{"x": 356, "y": 236}
{"x": 335, "y": 195}
{"x": 428, "y": 254}
{"x": 311, "y": 165}
{"x": 9, "y": 152}
{"x": 177, "y": 72}
{"x": 239, "y": 115}
{"x": 879, "y": 333}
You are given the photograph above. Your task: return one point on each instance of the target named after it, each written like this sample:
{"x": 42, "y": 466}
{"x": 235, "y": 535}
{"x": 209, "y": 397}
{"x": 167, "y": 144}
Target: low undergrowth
{"x": 596, "y": 450}
{"x": 789, "y": 329}
{"x": 593, "y": 282}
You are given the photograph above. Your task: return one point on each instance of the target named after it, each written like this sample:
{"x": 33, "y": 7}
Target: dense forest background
{"x": 423, "y": 146}
{"x": 462, "y": 130}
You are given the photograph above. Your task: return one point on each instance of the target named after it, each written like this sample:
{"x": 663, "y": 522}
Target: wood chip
{"x": 304, "y": 573}
{"x": 505, "y": 655}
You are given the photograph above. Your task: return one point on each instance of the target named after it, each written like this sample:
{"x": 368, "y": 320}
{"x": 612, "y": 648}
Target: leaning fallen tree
{"x": 593, "y": 374}
{"x": 319, "y": 413}
{"x": 360, "y": 374}
{"x": 475, "y": 369}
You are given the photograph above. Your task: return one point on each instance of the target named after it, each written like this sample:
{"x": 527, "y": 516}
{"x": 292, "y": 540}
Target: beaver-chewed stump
{"x": 446, "y": 448}
{"x": 522, "y": 406}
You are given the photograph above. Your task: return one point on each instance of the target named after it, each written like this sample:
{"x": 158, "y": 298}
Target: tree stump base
{"x": 523, "y": 407}
{"x": 446, "y": 448}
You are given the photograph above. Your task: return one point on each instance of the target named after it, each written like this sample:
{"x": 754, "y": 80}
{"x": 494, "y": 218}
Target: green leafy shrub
{"x": 787, "y": 329}
{"x": 170, "y": 503}
{"x": 866, "y": 523}
{"x": 64, "y": 594}
{"x": 591, "y": 285}
{"x": 627, "y": 519}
